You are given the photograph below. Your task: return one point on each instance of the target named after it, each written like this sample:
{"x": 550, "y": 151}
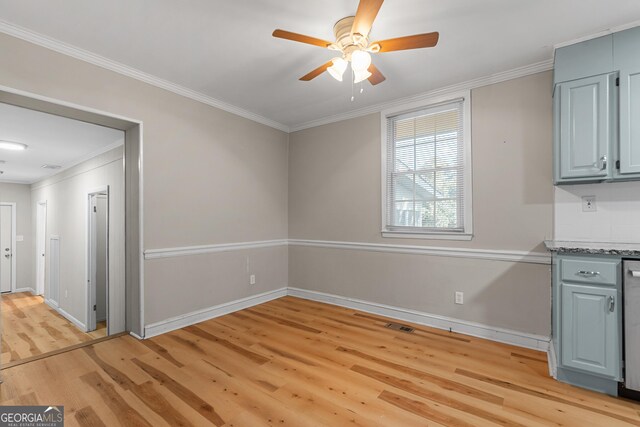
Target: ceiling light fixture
{"x": 338, "y": 68}
{"x": 360, "y": 75}
{"x": 360, "y": 60}
{"x": 352, "y": 40}
{"x": 10, "y": 145}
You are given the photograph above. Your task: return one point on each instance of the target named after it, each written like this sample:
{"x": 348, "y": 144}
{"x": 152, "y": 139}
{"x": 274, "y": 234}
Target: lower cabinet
{"x": 590, "y": 338}
{"x": 587, "y": 320}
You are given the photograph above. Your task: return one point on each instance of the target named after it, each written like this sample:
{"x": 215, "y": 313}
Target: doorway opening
{"x": 103, "y": 295}
{"x": 98, "y": 257}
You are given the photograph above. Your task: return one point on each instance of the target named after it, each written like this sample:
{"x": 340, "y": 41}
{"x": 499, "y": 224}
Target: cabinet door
{"x": 589, "y": 332}
{"x": 627, "y": 60}
{"x": 584, "y": 131}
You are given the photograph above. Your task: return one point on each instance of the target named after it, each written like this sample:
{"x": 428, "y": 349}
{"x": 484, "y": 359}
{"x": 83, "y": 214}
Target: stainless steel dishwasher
{"x": 632, "y": 324}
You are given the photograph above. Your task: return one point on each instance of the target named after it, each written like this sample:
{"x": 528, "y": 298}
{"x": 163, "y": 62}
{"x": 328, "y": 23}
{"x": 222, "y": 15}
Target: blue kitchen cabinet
{"x": 597, "y": 109}
{"x": 589, "y": 58}
{"x": 587, "y": 320}
{"x": 626, "y": 49}
{"x": 590, "y": 339}
{"x": 583, "y": 129}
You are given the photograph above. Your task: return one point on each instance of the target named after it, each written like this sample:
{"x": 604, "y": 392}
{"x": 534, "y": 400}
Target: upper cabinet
{"x": 626, "y": 54}
{"x": 597, "y": 109}
{"x": 589, "y": 58}
{"x": 584, "y": 128}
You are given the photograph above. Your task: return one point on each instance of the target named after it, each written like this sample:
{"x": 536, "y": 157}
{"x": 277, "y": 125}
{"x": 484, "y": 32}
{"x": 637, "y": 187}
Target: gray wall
{"x": 334, "y": 195}
{"x": 210, "y": 177}
{"x": 20, "y": 194}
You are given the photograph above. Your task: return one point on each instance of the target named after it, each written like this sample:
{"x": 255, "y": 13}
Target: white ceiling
{"x": 224, "y": 49}
{"x": 51, "y": 140}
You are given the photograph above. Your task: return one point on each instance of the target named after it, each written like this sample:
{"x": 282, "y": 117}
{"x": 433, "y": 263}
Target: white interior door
{"x": 41, "y": 245}
{"x": 98, "y": 281}
{"x": 101, "y": 251}
{"x": 6, "y": 247}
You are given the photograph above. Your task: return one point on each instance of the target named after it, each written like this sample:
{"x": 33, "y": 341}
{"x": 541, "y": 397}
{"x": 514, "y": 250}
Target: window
{"x": 427, "y": 170}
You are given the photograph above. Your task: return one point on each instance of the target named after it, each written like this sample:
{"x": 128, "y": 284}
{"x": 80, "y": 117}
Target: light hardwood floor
{"x": 31, "y": 328}
{"x": 292, "y": 362}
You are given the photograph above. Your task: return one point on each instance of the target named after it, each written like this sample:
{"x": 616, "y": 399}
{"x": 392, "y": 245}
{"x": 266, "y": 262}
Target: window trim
{"x": 414, "y": 233}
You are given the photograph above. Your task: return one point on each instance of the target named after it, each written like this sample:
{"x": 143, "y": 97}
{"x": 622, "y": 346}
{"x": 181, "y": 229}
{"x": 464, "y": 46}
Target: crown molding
{"x": 92, "y": 58}
{"x": 598, "y": 34}
{"x": 535, "y": 68}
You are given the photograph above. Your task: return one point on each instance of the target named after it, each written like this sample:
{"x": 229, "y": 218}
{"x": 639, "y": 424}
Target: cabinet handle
{"x": 585, "y": 273}
{"x": 603, "y": 162}
{"x": 612, "y": 303}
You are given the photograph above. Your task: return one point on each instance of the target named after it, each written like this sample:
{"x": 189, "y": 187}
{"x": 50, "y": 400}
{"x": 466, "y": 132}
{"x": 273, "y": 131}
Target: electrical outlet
{"x": 459, "y": 297}
{"x": 252, "y": 279}
{"x": 589, "y": 204}
{"x": 66, "y": 293}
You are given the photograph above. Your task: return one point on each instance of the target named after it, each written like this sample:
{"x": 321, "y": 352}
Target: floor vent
{"x": 399, "y": 327}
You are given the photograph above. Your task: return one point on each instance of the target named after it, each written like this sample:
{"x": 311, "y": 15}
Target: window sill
{"x": 427, "y": 236}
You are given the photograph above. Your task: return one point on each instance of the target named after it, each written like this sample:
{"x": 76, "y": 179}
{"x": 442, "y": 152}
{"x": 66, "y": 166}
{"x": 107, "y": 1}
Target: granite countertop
{"x": 603, "y": 248}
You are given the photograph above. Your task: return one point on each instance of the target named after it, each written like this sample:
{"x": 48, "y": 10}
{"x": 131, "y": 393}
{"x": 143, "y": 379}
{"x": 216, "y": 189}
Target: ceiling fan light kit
{"x": 352, "y": 40}
{"x": 338, "y": 68}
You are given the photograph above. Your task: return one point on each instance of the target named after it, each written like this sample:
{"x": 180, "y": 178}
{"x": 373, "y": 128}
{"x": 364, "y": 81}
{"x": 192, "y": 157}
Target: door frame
{"x": 91, "y": 288}
{"x": 13, "y": 244}
{"x": 43, "y": 274}
{"x": 133, "y": 181}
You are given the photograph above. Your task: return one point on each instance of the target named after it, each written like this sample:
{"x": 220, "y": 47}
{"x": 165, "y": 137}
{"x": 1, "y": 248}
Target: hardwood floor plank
{"x": 189, "y": 397}
{"x": 117, "y": 376}
{"x": 423, "y": 410}
{"x": 88, "y": 417}
{"x": 163, "y": 352}
{"x": 530, "y": 392}
{"x": 447, "y": 384}
{"x": 284, "y": 322}
{"x": 157, "y": 403}
{"x": 254, "y": 357}
{"x": 412, "y": 388}
{"x": 127, "y": 415}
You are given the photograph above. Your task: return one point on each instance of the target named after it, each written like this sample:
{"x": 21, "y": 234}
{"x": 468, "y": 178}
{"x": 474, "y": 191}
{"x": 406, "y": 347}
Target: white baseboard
{"x": 136, "y": 336}
{"x": 66, "y": 315}
{"x": 33, "y": 292}
{"x": 552, "y": 358}
{"x": 51, "y": 303}
{"x": 520, "y": 339}
{"x": 198, "y": 316}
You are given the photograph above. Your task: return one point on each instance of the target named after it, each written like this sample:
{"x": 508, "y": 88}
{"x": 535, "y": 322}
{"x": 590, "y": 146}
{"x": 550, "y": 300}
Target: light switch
{"x": 19, "y": 238}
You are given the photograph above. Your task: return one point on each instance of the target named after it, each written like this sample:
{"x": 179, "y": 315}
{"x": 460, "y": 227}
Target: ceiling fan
{"x": 352, "y": 41}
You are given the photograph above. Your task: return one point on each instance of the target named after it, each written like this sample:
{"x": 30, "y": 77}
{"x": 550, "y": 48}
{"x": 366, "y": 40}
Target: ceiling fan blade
{"x": 288, "y": 35}
{"x": 376, "y": 75}
{"x": 315, "y": 73}
{"x": 409, "y": 42}
{"x": 366, "y": 14}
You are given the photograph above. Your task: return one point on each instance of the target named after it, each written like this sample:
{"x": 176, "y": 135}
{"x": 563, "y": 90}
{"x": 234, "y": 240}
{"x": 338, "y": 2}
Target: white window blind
{"x": 426, "y": 170}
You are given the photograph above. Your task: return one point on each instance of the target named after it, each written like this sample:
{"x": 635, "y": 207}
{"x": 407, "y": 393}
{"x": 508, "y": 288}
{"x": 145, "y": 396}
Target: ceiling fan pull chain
{"x": 353, "y": 77}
